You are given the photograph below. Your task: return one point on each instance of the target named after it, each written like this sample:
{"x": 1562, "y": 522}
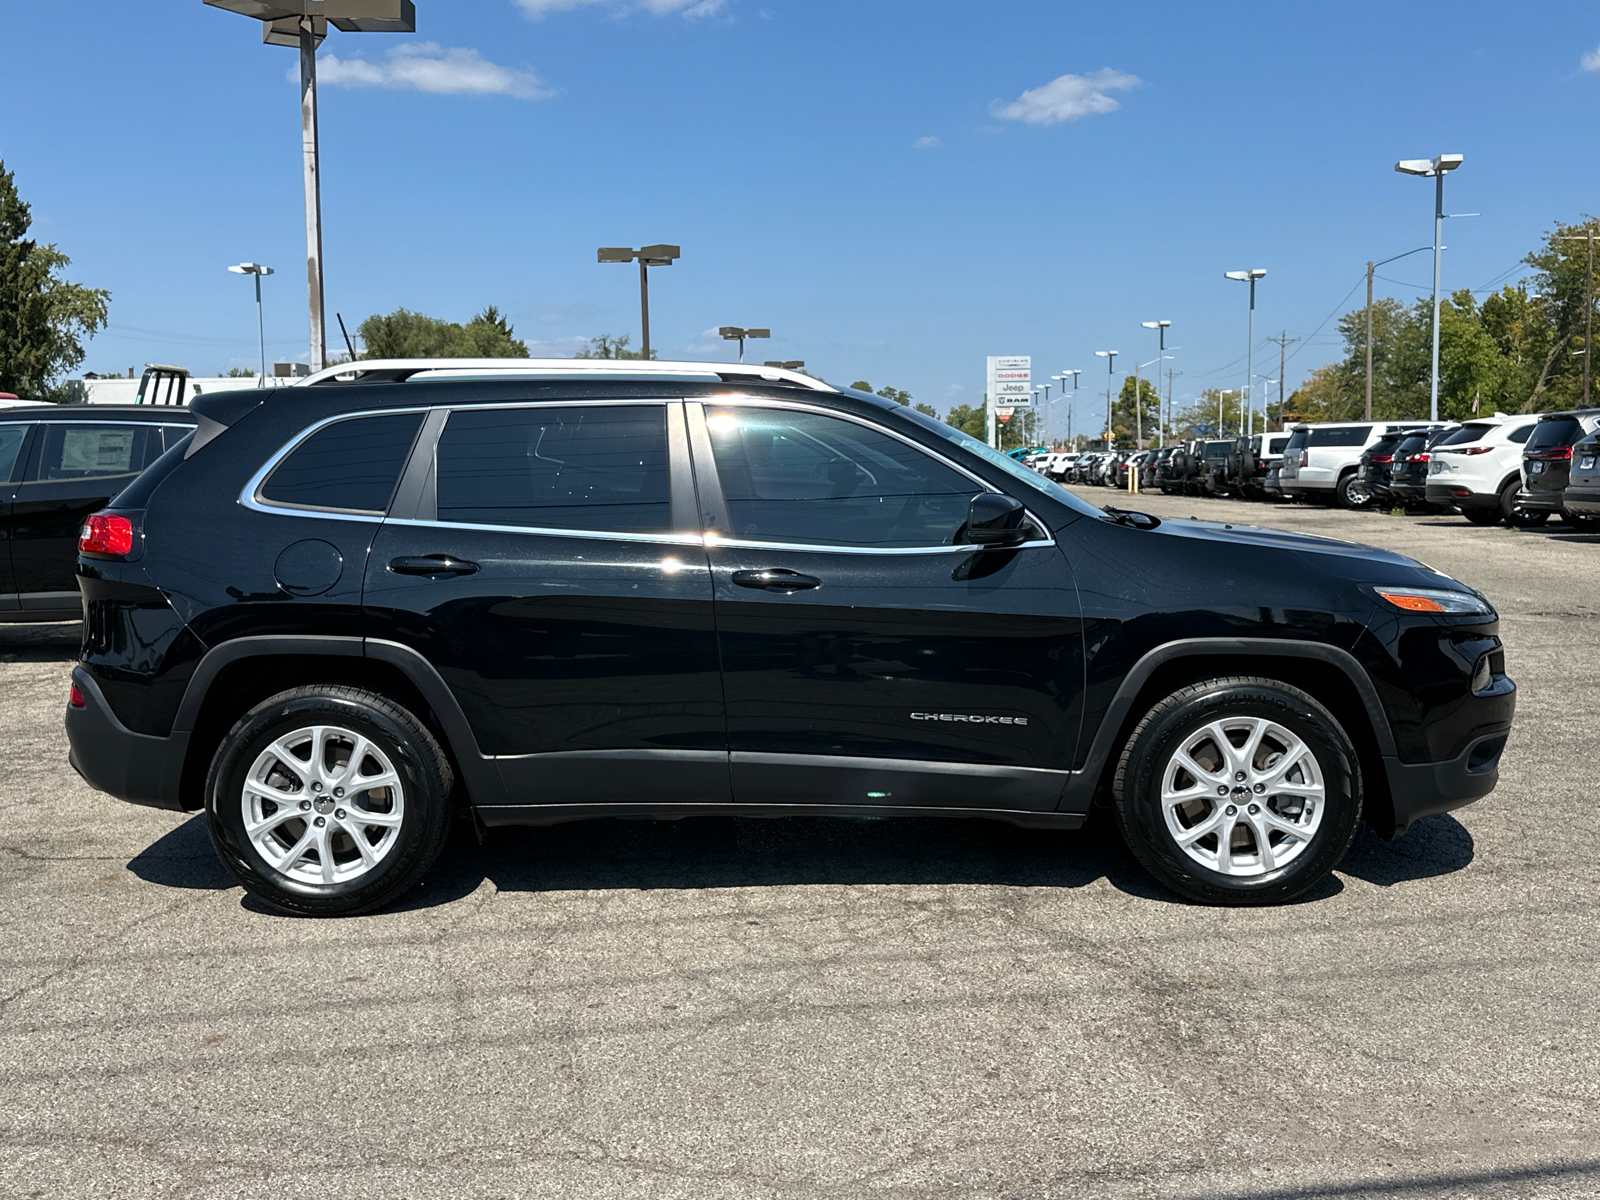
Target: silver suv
{"x": 1320, "y": 460}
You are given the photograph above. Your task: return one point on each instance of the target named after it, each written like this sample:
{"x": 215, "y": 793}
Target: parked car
{"x": 1250, "y": 461}
{"x": 1153, "y": 473}
{"x": 58, "y": 464}
{"x": 1547, "y": 463}
{"x": 1213, "y": 461}
{"x": 1376, "y": 464}
{"x": 1271, "y": 488}
{"x": 1321, "y": 461}
{"x": 1408, "y": 474}
{"x": 1581, "y": 501}
{"x": 348, "y": 613}
{"x": 1478, "y": 467}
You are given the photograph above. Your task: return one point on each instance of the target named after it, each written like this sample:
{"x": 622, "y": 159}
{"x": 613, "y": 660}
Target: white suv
{"x": 1478, "y": 468}
{"x": 1320, "y": 460}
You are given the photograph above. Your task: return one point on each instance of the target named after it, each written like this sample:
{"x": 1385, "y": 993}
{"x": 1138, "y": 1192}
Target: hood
{"x": 1277, "y": 539}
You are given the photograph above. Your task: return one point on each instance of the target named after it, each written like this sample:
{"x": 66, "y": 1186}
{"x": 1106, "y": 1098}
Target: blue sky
{"x": 896, "y": 189}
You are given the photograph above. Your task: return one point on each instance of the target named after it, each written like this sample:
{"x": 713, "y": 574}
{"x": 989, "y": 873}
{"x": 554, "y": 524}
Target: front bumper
{"x": 113, "y": 759}
{"x": 1583, "y": 501}
{"x": 1426, "y": 789}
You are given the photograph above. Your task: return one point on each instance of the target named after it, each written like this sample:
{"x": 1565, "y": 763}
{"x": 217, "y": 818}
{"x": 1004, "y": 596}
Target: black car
{"x": 1213, "y": 475}
{"x": 1547, "y": 463}
{"x": 1377, "y": 463}
{"x": 1408, "y": 473}
{"x": 58, "y": 464}
{"x": 349, "y": 611}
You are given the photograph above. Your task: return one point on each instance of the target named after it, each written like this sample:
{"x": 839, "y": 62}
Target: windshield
{"x": 1010, "y": 466}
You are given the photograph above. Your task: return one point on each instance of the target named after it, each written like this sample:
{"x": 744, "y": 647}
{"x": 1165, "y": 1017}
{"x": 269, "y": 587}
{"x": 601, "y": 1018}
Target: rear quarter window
{"x": 1297, "y": 440}
{"x": 1355, "y": 435}
{"x": 351, "y": 465}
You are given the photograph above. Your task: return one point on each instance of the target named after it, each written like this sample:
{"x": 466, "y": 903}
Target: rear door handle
{"x": 432, "y": 564}
{"x": 776, "y": 579}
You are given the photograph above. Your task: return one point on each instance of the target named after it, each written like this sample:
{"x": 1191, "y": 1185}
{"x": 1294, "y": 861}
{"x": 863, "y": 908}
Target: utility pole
{"x": 1369, "y": 341}
{"x": 1284, "y": 341}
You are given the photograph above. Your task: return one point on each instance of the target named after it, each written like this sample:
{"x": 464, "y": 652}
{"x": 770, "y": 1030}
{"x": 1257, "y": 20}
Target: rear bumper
{"x": 113, "y": 759}
{"x": 1426, "y": 789}
{"x": 1461, "y": 497}
{"x": 1540, "y": 501}
{"x": 1585, "y": 501}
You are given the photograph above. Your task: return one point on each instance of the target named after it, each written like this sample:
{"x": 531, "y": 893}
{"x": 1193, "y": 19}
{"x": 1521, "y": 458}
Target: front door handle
{"x": 776, "y": 579}
{"x": 432, "y": 564}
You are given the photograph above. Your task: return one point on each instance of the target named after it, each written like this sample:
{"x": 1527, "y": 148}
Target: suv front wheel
{"x": 328, "y": 800}
{"x": 1238, "y": 791}
{"x": 1350, "y": 492}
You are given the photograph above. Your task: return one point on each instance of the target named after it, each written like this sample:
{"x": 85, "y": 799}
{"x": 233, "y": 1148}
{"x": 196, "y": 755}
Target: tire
{"x": 317, "y": 867}
{"x": 1350, "y": 492}
{"x": 1482, "y": 516}
{"x": 1580, "y": 522}
{"x": 1311, "y": 838}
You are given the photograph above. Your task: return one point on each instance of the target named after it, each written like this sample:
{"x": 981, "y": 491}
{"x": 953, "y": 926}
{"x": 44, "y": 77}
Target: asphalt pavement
{"x": 728, "y": 1008}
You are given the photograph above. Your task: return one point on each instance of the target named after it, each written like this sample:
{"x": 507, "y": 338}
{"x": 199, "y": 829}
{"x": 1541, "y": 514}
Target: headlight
{"x": 1435, "y": 600}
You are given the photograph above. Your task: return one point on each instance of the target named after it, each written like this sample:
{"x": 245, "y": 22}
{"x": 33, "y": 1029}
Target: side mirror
{"x": 995, "y": 520}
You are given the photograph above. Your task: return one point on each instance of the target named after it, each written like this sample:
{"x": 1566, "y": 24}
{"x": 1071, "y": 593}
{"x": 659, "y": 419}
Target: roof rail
{"x": 402, "y": 370}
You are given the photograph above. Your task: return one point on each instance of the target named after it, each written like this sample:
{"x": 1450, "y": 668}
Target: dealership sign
{"x": 1010, "y": 380}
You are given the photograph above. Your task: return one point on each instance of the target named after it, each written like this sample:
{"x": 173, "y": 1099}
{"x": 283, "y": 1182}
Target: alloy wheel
{"x": 323, "y": 805}
{"x": 1242, "y": 796}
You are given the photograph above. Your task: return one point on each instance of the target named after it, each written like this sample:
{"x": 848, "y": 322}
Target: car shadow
{"x": 1433, "y": 846}
{"x": 737, "y": 852}
{"x": 56, "y": 642}
{"x": 182, "y": 858}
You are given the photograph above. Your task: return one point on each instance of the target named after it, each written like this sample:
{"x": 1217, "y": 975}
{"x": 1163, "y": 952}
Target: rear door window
{"x": 11, "y": 439}
{"x": 808, "y": 479}
{"x": 601, "y": 468}
{"x": 94, "y": 450}
{"x": 351, "y": 465}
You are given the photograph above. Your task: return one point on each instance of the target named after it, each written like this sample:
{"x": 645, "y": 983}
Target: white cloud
{"x": 927, "y": 143}
{"x": 690, "y": 9}
{"x": 1591, "y": 60}
{"x": 1067, "y": 98}
{"x": 430, "y": 67}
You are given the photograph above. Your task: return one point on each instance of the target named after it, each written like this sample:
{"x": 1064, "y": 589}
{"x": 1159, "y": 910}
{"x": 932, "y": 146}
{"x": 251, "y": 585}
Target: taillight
{"x": 1471, "y": 450}
{"x": 76, "y": 698}
{"x": 1554, "y": 454}
{"x": 1381, "y": 457}
{"x": 1418, "y": 458}
{"x": 1305, "y": 458}
{"x": 106, "y": 535}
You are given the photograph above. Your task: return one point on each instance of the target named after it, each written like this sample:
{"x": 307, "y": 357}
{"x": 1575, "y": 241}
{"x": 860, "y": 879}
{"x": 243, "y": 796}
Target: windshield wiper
{"x": 1126, "y": 516}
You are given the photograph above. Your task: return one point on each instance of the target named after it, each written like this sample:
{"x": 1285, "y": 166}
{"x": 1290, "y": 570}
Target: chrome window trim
{"x": 252, "y": 499}
{"x": 822, "y": 410}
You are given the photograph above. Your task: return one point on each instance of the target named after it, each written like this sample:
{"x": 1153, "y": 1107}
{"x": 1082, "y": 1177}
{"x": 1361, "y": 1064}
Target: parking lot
{"x": 815, "y": 1008}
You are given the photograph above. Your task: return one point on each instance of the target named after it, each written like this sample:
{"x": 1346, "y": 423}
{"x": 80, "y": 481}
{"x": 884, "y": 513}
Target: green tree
{"x": 407, "y": 334}
{"x": 1201, "y": 420}
{"x": 1127, "y": 423}
{"x": 926, "y": 410}
{"x": 1561, "y": 270}
{"x": 888, "y": 393}
{"x": 43, "y": 318}
{"x": 606, "y": 346}
{"x": 241, "y": 373}
{"x": 969, "y": 419}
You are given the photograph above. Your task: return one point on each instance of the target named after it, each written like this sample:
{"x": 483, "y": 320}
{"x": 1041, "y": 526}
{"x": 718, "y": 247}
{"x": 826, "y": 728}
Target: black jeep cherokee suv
{"x": 345, "y": 612}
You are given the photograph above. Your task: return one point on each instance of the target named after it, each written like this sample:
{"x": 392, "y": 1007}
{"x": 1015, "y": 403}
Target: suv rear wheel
{"x": 1238, "y": 791}
{"x": 328, "y": 800}
{"x": 1350, "y": 492}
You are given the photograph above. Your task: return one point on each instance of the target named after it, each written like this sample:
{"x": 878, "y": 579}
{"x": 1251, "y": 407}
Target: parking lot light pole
{"x": 1434, "y": 168}
{"x": 1111, "y": 361}
{"x": 303, "y": 24}
{"x": 1249, "y": 277}
{"x": 258, "y": 271}
{"x": 1071, "y": 404}
{"x": 734, "y": 333}
{"x": 647, "y": 256}
{"x": 1161, "y": 328}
